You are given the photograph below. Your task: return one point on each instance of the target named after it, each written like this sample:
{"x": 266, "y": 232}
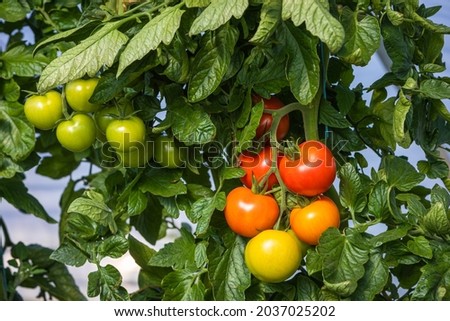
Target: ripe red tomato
{"x": 43, "y": 111}
{"x": 247, "y": 213}
{"x": 266, "y": 120}
{"x": 273, "y": 256}
{"x": 258, "y": 165}
{"x": 312, "y": 173}
{"x": 310, "y": 222}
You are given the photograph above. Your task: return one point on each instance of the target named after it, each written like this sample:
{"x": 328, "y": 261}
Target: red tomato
{"x": 258, "y": 165}
{"x": 310, "y": 222}
{"x": 247, "y": 213}
{"x": 266, "y": 120}
{"x": 312, "y": 173}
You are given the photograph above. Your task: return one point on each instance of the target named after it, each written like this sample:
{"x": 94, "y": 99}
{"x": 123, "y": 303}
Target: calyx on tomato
{"x": 312, "y": 173}
{"x": 257, "y": 166}
{"x": 248, "y": 214}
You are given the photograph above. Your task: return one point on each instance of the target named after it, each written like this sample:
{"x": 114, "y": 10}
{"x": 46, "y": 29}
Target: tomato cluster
{"x": 119, "y": 126}
{"x": 273, "y": 255}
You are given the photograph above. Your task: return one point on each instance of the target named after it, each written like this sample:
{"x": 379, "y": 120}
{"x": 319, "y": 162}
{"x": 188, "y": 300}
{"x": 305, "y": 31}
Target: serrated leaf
{"x": 19, "y": 61}
{"x": 436, "y": 220}
{"x": 149, "y": 223}
{"x": 17, "y": 135}
{"x": 307, "y": 289}
{"x": 191, "y": 124}
{"x": 350, "y": 188}
{"x": 179, "y": 254}
{"x": 420, "y": 246}
{"x": 303, "y": 65}
{"x": 378, "y": 200}
{"x": 57, "y": 166}
{"x": 106, "y": 282}
{"x": 13, "y": 10}
{"x": 229, "y": 274}
{"x": 196, "y": 3}
{"x": 114, "y": 246}
{"x": 137, "y": 202}
{"x": 183, "y": 285}
{"x": 95, "y": 52}
{"x": 329, "y": 116}
{"x": 374, "y": 280}
{"x": 389, "y": 236}
{"x": 246, "y": 135}
{"x": 232, "y": 172}
{"x": 160, "y": 29}
{"x": 344, "y": 257}
{"x": 92, "y": 205}
{"x": 140, "y": 252}
{"x": 211, "y": 63}
{"x": 202, "y": 210}
{"x": 163, "y": 182}
{"x": 362, "y": 38}
{"x": 217, "y": 14}
{"x": 401, "y": 174}
{"x": 67, "y": 254}
{"x": 434, "y": 283}
{"x": 402, "y": 107}
{"x": 435, "y": 89}
{"x": 318, "y": 20}
{"x": 269, "y": 19}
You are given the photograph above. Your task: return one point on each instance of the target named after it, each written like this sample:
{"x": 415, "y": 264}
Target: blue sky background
{"x": 29, "y": 229}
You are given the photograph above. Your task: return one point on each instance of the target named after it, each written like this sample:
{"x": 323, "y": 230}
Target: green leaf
{"x": 401, "y": 174}
{"x": 114, "y": 246}
{"x": 179, "y": 254}
{"x": 106, "y": 283}
{"x": 433, "y": 169}
{"x": 203, "y": 209}
{"x": 402, "y": 107}
{"x": 16, "y": 193}
{"x": 434, "y": 284}
{"x": 435, "y": 89}
{"x": 190, "y": 123}
{"x": 329, "y": 116}
{"x": 420, "y": 246}
{"x": 184, "y": 285}
{"x": 307, "y": 289}
{"x": 344, "y": 257}
{"x": 378, "y": 200}
{"x": 137, "y": 202}
{"x": 149, "y": 222}
{"x": 303, "y": 66}
{"x": 8, "y": 168}
{"x": 246, "y": 135}
{"x": 19, "y": 61}
{"x": 231, "y": 173}
{"x": 67, "y": 254}
{"x": 163, "y": 182}
{"x": 229, "y": 274}
{"x": 351, "y": 189}
{"x": 217, "y": 14}
{"x": 92, "y": 205}
{"x": 196, "y": 3}
{"x": 160, "y": 29}
{"x": 374, "y": 280}
{"x": 436, "y": 220}
{"x": 95, "y": 52}
{"x": 10, "y": 90}
{"x": 362, "y": 38}
{"x": 140, "y": 252}
{"x": 389, "y": 236}
{"x": 211, "y": 63}
{"x": 58, "y": 166}
{"x": 269, "y": 19}
{"x": 318, "y": 20}
{"x": 384, "y": 112}
{"x": 13, "y": 10}
{"x": 17, "y": 136}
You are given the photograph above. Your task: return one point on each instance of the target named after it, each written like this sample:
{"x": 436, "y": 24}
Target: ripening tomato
{"x": 273, "y": 256}
{"x": 247, "y": 213}
{"x": 78, "y": 92}
{"x": 124, "y": 134}
{"x": 77, "y": 133}
{"x": 266, "y": 120}
{"x": 258, "y": 165}
{"x": 312, "y": 173}
{"x": 310, "y": 222}
{"x": 43, "y": 111}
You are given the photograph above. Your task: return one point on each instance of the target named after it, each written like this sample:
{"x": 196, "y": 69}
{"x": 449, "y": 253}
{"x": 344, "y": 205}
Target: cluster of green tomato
{"x": 119, "y": 126}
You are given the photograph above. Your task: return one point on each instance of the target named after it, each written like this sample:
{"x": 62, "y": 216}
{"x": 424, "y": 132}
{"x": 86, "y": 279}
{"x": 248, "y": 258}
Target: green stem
{"x": 311, "y": 121}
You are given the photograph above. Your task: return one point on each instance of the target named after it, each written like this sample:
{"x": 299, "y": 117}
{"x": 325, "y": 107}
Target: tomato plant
{"x": 77, "y": 133}
{"x": 43, "y": 111}
{"x": 310, "y": 173}
{"x": 125, "y": 134}
{"x": 265, "y": 123}
{"x": 168, "y": 152}
{"x": 257, "y": 166}
{"x": 310, "y": 222}
{"x": 78, "y": 93}
{"x": 248, "y": 214}
{"x": 273, "y": 256}
{"x": 375, "y": 143}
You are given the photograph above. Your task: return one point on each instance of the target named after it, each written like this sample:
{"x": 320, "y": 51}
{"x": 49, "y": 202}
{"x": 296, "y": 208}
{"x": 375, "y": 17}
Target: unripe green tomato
{"x": 77, "y": 133}
{"x": 124, "y": 134}
{"x": 105, "y": 116}
{"x": 43, "y": 111}
{"x": 168, "y": 152}
{"x": 136, "y": 157}
{"x": 78, "y": 92}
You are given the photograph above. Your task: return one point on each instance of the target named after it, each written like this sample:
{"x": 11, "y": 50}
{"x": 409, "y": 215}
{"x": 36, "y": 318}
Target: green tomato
{"x": 168, "y": 153}
{"x": 78, "y": 92}
{"x": 124, "y": 134}
{"x": 43, "y": 111}
{"x": 105, "y": 116}
{"x": 76, "y": 134}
